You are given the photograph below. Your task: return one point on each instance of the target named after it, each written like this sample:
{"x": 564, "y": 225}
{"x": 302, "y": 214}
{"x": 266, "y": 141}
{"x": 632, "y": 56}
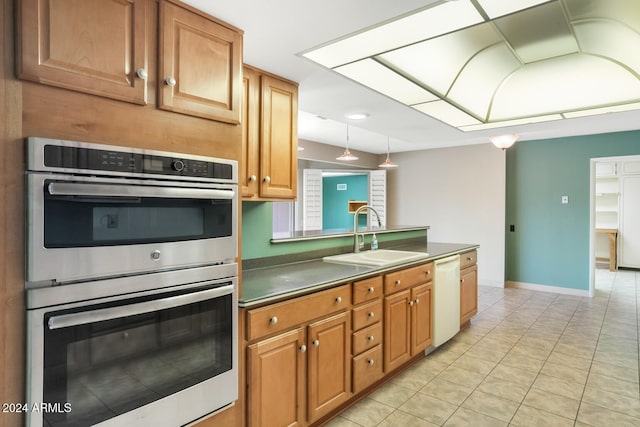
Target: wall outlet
{"x": 565, "y": 200}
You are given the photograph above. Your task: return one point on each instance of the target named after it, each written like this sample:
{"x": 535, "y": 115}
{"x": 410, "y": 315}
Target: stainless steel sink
{"x": 379, "y": 258}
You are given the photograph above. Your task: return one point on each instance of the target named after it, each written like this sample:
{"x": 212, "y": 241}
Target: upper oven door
{"x": 88, "y": 227}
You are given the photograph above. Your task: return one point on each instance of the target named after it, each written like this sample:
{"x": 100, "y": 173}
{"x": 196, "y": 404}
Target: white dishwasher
{"x": 446, "y": 299}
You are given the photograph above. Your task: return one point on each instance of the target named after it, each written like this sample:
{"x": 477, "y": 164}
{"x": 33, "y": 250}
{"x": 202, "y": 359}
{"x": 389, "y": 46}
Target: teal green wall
{"x": 334, "y": 203}
{"x": 257, "y": 220}
{"x": 550, "y": 245}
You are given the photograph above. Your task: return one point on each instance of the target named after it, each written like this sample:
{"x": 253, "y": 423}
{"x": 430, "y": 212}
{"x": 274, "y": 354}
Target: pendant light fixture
{"x": 347, "y": 156}
{"x": 387, "y": 163}
{"x": 504, "y": 141}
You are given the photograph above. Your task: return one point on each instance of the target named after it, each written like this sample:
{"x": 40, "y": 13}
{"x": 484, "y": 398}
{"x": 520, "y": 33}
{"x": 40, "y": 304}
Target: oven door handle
{"x": 99, "y": 315}
{"x": 107, "y": 190}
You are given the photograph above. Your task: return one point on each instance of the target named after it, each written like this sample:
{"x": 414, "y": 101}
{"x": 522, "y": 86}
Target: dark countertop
{"x": 276, "y": 283}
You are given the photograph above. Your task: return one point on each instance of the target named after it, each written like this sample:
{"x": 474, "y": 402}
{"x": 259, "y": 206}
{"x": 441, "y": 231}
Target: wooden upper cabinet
{"x": 92, "y": 46}
{"x": 269, "y": 168}
{"x": 279, "y": 138}
{"x": 200, "y": 65}
{"x": 250, "y": 121}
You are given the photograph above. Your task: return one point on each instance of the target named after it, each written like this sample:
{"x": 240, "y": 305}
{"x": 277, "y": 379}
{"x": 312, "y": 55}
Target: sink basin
{"x": 379, "y": 258}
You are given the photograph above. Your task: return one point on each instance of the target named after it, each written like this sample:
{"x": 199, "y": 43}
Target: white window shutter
{"x": 378, "y": 196}
{"x": 312, "y": 189}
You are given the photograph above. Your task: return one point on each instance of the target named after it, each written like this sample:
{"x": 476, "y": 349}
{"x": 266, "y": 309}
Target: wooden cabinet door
{"x": 468, "y": 293}
{"x": 329, "y": 364}
{"x": 250, "y": 121}
{"x": 91, "y": 46}
{"x": 200, "y": 66}
{"x": 279, "y": 139}
{"x": 397, "y": 330}
{"x": 276, "y": 380}
{"x": 420, "y": 318}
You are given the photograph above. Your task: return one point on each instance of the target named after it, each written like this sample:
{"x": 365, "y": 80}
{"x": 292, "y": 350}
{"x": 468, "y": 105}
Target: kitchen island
{"x": 317, "y": 336}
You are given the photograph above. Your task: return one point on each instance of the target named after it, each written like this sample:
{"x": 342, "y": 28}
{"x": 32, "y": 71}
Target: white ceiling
{"x": 276, "y": 32}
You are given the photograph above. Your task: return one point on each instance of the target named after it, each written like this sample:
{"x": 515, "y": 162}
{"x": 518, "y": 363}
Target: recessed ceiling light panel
{"x": 380, "y": 78}
{"x": 431, "y": 22}
{"x": 496, "y": 8}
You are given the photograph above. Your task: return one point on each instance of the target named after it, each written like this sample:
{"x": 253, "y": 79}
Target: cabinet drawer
{"x": 367, "y": 314}
{"x": 407, "y": 278}
{"x": 366, "y": 338}
{"x": 280, "y": 316}
{"x": 468, "y": 258}
{"x": 367, "y": 289}
{"x": 367, "y": 368}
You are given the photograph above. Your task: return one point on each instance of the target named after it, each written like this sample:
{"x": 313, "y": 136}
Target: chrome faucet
{"x": 357, "y": 244}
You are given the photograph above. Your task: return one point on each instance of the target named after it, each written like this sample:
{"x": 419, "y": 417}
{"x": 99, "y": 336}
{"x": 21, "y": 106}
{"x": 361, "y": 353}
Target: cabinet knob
{"x": 267, "y": 179}
{"x": 469, "y": 258}
{"x": 339, "y": 300}
{"x": 316, "y": 343}
{"x": 371, "y": 290}
{"x": 303, "y": 348}
{"x": 273, "y": 320}
{"x": 411, "y": 303}
{"x": 428, "y": 272}
{"x": 372, "y": 314}
{"x": 397, "y": 282}
{"x": 371, "y": 362}
{"x": 371, "y": 338}
{"x": 253, "y": 178}
{"x": 170, "y": 81}
{"x": 141, "y": 73}
{"x": 461, "y": 280}
{"x": 417, "y": 300}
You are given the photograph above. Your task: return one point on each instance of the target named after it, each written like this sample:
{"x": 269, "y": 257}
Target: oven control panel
{"x": 117, "y": 161}
{"x": 88, "y": 158}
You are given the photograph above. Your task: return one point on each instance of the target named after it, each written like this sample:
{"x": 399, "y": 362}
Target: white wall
{"x": 460, "y": 193}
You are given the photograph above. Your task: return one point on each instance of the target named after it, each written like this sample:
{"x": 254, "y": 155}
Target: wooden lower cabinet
{"x": 276, "y": 380}
{"x": 397, "y": 330}
{"x": 307, "y": 367}
{"x": 468, "y": 293}
{"x": 407, "y": 317}
{"x": 329, "y": 367}
{"x": 420, "y": 318}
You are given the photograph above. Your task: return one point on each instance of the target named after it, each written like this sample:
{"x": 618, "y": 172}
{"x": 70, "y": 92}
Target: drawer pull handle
{"x": 372, "y": 314}
{"x": 316, "y": 343}
{"x": 371, "y": 290}
{"x": 397, "y": 282}
{"x": 371, "y": 362}
{"x": 273, "y": 320}
{"x": 303, "y": 348}
{"x": 339, "y": 300}
{"x": 371, "y": 338}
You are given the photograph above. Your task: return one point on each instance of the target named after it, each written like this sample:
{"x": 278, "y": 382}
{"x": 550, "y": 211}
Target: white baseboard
{"x": 547, "y": 288}
{"x": 492, "y": 283}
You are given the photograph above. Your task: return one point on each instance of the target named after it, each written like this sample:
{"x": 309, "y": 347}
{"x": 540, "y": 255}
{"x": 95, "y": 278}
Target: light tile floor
{"x": 528, "y": 359}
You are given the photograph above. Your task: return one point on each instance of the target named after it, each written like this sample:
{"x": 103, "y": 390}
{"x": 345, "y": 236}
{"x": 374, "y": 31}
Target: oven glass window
{"x": 99, "y": 370}
{"x": 73, "y": 221}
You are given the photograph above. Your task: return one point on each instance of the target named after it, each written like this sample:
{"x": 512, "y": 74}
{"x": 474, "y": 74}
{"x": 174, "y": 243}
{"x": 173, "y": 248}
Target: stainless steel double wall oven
{"x": 131, "y": 285}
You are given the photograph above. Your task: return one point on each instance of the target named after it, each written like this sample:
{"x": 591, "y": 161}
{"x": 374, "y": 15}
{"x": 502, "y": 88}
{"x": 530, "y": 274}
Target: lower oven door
{"x": 159, "y": 360}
